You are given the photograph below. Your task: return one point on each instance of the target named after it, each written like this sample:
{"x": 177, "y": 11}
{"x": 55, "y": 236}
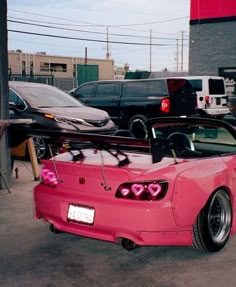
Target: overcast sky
{"x": 131, "y": 25}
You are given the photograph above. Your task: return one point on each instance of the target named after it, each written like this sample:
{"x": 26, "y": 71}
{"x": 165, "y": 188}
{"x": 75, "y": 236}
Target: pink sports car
{"x": 176, "y": 189}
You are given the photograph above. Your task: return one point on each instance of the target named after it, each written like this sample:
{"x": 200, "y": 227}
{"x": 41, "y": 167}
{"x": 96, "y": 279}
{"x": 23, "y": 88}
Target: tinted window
{"x": 179, "y": 86}
{"x": 14, "y": 98}
{"x": 107, "y": 89}
{"x": 86, "y": 90}
{"x": 144, "y": 88}
{"x": 216, "y": 87}
{"x": 196, "y": 84}
{"x": 46, "y": 96}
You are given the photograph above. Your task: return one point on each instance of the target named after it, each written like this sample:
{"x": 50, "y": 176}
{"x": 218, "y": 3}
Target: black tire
{"x": 212, "y": 228}
{"x": 128, "y": 244}
{"x": 138, "y": 126}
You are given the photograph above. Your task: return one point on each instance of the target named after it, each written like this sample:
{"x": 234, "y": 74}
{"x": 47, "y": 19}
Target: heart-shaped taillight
{"x": 137, "y": 189}
{"x": 143, "y": 190}
{"x": 154, "y": 189}
{"x": 48, "y": 177}
{"x": 125, "y": 191}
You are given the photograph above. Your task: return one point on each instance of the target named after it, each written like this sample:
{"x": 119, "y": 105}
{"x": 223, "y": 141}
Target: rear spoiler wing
{"x": 97, "y": 139}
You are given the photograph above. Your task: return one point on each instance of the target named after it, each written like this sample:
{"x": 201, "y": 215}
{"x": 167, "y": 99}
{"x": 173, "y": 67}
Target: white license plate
{"x": 81, "y": 214}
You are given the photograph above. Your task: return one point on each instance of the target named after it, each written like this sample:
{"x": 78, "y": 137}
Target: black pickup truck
{"x": 131, "y": 103}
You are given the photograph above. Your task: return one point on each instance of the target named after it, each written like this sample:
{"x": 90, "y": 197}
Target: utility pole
{"x": 177, "y": 55}
{"x": 107, "y": 53}
{"x": 86, "y": 56}
{"x": 5, "y": 166}
{"x": 150, "y": 50}
{"x": 182, "y": 50}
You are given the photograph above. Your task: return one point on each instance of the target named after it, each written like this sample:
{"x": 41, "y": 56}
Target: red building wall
{"x": 206, "y": 9}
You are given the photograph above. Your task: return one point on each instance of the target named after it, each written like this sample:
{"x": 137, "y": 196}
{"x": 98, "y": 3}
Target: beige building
{"x": 60, "y": 67}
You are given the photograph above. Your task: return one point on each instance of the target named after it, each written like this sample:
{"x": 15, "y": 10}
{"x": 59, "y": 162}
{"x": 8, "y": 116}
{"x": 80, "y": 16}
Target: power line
{"x": 76, "y": 25}
{"x": 91, "y": 32}
{"x": 149, "y": 23}
{"x": 92, "y": 24}
{"x": 52, "y": 17}
{"x": 86, "y": 39}
{"x": 46, "y": 22}
{"x": 115, "y": 51}
{"x": 44, "y": 44}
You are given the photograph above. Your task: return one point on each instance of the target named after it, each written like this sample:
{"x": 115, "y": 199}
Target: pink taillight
{"x": 48, "y": 177}
{"x": 154, "y": 189}
{"x": 125, "y": 191}
{"x": 137, "y": 189}
{"x": 146, "y": 190}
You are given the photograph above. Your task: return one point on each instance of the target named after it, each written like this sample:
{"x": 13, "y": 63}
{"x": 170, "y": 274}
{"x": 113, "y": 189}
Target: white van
{"x": 211, "y": 94}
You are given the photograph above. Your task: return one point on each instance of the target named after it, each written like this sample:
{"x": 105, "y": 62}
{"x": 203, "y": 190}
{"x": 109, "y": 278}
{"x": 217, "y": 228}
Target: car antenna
{"x": 54, "y": 163}
{"x": 106, "y": 187}
{"x": 174, "y": 155}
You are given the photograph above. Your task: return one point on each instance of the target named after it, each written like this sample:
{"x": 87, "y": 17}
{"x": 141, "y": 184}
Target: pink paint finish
{"x": 168, "y": 202}
{"x": 167, "y": 221}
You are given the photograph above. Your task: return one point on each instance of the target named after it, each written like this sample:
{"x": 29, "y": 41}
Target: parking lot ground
{"x": 32, "y": 256}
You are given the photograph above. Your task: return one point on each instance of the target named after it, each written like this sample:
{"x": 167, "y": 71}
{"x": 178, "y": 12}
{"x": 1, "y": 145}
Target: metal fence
{"x": 65, "y": 84}
{"x": 44, "y": 79}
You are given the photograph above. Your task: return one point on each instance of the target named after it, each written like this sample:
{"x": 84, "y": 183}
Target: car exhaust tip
{"x": 53, "y": 229}
{"x": 128, "y": 244}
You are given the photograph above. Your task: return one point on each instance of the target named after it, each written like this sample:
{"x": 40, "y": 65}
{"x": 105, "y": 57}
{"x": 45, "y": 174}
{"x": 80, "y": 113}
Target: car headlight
{"x": 67, "y": 120}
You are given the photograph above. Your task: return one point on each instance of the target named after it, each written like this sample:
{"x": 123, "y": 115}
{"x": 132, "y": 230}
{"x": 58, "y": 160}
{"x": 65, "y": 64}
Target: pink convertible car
{"x": 179, "y": 188}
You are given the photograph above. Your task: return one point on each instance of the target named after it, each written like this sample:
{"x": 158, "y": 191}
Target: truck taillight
{"x": 207, "y": 99}
{"x": 165, "y": 105}
{"x": 48, "y": 177}
{"x": 148, "y": 190}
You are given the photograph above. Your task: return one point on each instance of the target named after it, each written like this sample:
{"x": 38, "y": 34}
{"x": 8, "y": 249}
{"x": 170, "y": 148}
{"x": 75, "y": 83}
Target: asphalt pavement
{"x": 32, "y": 256}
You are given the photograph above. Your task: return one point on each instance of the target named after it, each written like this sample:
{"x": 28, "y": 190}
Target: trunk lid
{"x": 99, "y": 174}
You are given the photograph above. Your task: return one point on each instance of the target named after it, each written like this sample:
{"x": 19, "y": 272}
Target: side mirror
{"x": 14, "y": 107}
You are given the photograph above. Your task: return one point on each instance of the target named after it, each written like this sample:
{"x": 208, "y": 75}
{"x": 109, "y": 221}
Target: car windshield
{"x": 47, "y": 96}
{"x": 193, "y": 138}
{"x": 204, "y": 133}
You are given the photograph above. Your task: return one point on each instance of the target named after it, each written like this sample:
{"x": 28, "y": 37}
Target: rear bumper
{"x": 217, "y": 111}
{"x": 145, "y": 223}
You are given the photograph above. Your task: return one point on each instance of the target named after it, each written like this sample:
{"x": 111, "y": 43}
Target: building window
{"x": 53, "y": 67}
{"x": 57, "y": 67}
{"x": 23, "y": 68}
{"x": 44, "y": 67}
{"x": 31, "y": 68}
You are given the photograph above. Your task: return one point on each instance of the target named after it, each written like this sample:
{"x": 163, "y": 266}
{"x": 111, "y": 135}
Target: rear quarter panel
{"x": 194, "y": 186}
